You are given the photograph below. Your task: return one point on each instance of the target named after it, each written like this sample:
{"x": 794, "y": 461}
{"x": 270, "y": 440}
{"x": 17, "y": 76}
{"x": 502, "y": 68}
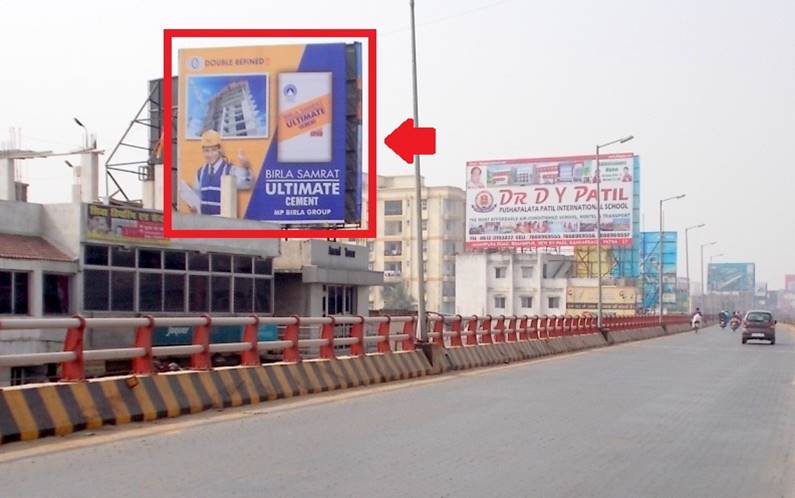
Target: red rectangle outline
{"x": 353, "y": 233}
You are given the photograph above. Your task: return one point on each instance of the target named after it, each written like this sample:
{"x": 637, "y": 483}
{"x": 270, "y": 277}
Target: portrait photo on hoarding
{"x": 234, "y": 105}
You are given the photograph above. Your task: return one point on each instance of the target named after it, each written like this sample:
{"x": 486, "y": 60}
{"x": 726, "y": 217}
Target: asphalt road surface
{"x": 682, "y": 416}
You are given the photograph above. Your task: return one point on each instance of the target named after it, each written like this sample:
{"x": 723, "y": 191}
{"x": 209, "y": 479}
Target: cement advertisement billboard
{"x": 274, "y": 118}
{"x": 548, "y": 202}
{"x": 731, "y": 277}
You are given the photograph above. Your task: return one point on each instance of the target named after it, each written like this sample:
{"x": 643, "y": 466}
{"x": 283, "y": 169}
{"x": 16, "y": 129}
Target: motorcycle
{"x": 696, "y": 323}
{"x": 723, "y": 324}
{"x": 735, "y": 324}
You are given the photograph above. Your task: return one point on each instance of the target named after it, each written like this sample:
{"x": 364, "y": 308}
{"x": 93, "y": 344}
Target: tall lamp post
{"x": 599, "y": 225}
{"x": 660, "y": 262}
{"x": 703, "y": 283}
{"x": 687, "y": 257}
{"x": 421, "y": 332}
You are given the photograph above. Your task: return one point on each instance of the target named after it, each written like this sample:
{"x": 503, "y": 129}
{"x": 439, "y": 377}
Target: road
{"x": 686, "y": 415}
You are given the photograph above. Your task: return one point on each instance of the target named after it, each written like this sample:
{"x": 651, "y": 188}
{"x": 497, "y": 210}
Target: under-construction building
{"x": 233, "y": 112}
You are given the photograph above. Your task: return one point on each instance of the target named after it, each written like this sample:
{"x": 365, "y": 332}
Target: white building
{"x": 508, "y": 283}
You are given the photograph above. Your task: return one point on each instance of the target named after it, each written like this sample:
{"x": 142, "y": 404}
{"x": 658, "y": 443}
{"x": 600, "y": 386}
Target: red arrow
{"x": 407, "y": 141}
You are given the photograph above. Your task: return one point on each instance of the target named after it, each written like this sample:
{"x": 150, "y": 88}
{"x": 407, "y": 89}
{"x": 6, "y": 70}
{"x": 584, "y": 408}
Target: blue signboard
{"x": 650, "y": 268}
{"x": 731, "y": 277}
{"x": 178, "y": 336}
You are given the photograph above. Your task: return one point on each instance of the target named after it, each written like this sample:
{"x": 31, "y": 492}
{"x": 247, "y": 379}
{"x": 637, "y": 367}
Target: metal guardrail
{"x": 446, "y": 331}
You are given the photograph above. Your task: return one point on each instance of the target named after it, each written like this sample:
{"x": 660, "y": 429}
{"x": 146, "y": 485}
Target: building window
{"x": 449, "y": 268}
{"x": 448, "y": 289}
{"x": 393, "y": 228}
{"x": 220, "y": 290}
{"x": 527, "y": 272}
{"x": 393, "y": 208}
{"x": 198, "y": 293}
{"x": 424, "y": 225}
{"x": 159, "y": 282}
{"x": 340, "y": 299}
{"x": 449, "y": 248}
{"x": 499, "y": 302}
{"x": 424, "y": 204}
{"x": 527, "y": 302}
{"x": 150, "y": 292}
{"x": 148, "y": 258}
{"x": 393, "y": 248}
{"x": 393, "y": 268}
{"x": 122, "y": 256}
{"x": 450, "y": 227}
{"x": 95, "y": 285}
{"x": 544, "y": 271}
{"x": 55, "y": 294}
{"x": 96, "y": 255}
{"x": 244, "y": 295}
{"x": 553, "y": 302}
{"x": 499, "y": 272}
{"x": 174, "y": 292}
{"x": 14, "y": 297}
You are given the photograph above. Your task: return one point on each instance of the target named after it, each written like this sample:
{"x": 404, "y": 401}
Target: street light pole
{"x": 703, "y": 284}
{"x": 599, "y": 227}
{"x": 421, "y": 332}
{"x": 715, "y": 256}
{"x": 687, "y": 260}
{"x": 660, "y": 262}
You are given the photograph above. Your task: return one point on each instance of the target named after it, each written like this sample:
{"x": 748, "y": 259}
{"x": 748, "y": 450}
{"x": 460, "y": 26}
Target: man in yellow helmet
{"x": 208, "y": 178}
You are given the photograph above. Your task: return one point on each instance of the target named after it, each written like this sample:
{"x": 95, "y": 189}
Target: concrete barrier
{"x": 39, "y": 410}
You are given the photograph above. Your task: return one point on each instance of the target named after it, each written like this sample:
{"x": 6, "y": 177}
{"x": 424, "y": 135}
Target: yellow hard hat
{"x": 211, "y": 138}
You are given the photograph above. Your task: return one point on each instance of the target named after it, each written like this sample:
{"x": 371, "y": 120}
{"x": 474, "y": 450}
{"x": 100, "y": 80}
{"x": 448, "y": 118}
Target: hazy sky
{"x": 707, "y": 88}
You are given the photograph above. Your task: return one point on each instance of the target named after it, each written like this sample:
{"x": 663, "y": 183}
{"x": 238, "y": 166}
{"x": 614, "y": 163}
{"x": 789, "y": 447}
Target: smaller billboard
{"x": 761, "y": 289}
{"x": 619, "y": 300}
{"x": 789, "y": 283}
{"x": 731, "y": 277}
{"x": 121, "y": 224}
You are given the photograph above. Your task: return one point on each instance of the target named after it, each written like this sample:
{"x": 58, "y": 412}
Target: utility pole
{"x": 421, "y": 332}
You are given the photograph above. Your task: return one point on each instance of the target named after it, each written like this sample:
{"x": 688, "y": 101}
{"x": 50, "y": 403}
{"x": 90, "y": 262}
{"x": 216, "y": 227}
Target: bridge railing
{"x": 357, "y": 334}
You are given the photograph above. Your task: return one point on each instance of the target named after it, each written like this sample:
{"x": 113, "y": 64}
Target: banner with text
{"x": 549, "y": 202}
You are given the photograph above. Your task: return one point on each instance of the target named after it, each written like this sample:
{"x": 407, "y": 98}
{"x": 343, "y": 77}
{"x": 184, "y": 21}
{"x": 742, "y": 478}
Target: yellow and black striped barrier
{"x": 35, "y": 411}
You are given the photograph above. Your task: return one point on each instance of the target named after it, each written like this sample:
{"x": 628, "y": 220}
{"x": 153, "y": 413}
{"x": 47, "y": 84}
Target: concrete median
{"x": 40, "y": 410}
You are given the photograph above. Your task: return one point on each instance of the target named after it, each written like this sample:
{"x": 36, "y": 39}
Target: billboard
{"x": 789, "y": 283}
{"x": 121, "y": 224}
{"x": 276, "y": 119}
{"x": 549, "y": 202}
{"x": 619, "y": 300}
{"x": 731, "y": 277}
{"x": 650, "y": 268}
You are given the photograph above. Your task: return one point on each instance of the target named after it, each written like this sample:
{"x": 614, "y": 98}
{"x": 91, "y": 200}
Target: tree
{"x": 397, "y": 297}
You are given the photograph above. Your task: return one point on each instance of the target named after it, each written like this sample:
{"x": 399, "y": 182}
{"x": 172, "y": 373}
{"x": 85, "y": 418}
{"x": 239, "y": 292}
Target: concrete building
{"x": 510, "y": 283}
{"x": 233, "y": 112}
{"x": 394, "y": 251}
{"x": 321, "y": 278}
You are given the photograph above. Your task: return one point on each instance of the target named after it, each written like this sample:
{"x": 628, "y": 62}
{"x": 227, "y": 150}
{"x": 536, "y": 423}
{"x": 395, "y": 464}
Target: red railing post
{"x": 523, "y": 329}
{"x": 144, "y": 365}
{"x": 250, "y": 357}
{"x": 73, "y": 342}
{"x": 511, "y": 336}
{"x": 533, "y": 334}
{"x": 409, "y": 328}
{"x": 357, "y": 331}
{"x": 455, "y": 340}
{"x": 201, "y": 337}
{"x": 327, "y": 333}
{"x": 472, "y": 326}
{"x": 291, "y": 333}
{"x": 385, "y": 346}
{"x": 499, "y": 335}
{"x": 566, "y": 325}
{"x": 438, "y": 327}
{"x": 486, "y": 327}
{"x": 542, "y": 327}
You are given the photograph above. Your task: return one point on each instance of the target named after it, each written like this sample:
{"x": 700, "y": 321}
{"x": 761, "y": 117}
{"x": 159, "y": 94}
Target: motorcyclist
{"x": 723, "y": 316}
{"x": 698, "y": 318}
